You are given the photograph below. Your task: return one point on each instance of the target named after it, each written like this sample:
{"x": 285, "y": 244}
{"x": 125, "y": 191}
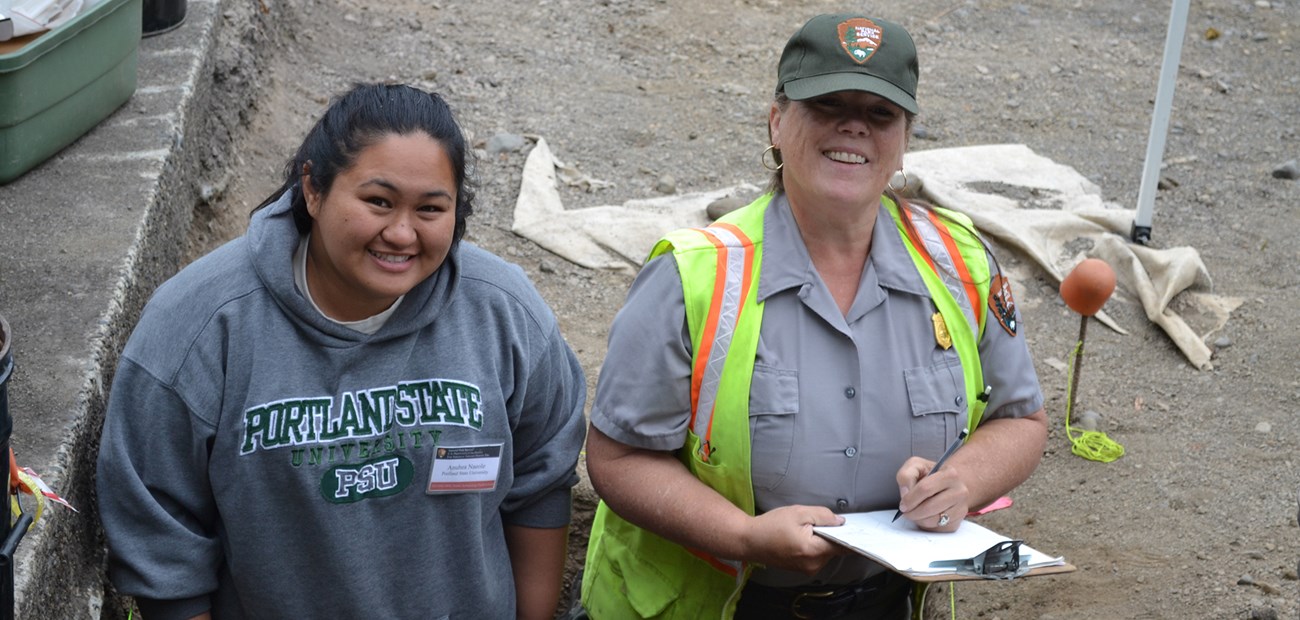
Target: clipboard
{"x": 973, "y": 552}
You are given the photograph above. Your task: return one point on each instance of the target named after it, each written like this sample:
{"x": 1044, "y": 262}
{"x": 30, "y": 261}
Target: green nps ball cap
{"x": 850, "y": 52}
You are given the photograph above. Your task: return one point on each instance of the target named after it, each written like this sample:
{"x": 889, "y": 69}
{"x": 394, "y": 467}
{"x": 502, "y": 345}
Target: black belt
{"x": 829, "y": 601}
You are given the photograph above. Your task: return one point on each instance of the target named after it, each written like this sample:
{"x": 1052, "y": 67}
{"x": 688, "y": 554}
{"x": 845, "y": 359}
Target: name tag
{"x": 464, "y": 469}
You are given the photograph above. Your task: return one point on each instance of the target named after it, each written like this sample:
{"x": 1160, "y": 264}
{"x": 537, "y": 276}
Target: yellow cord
{"x": 1091, "y": 445}
{"x": 28, "y": 485}
{"x": 919, "y": 590}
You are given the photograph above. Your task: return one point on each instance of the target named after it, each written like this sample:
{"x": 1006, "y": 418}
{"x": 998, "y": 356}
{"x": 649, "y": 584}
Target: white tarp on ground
{"x": 606, "y": 237}
{"x": 1046, "y": 211}
{"x": 1056, "y": 217}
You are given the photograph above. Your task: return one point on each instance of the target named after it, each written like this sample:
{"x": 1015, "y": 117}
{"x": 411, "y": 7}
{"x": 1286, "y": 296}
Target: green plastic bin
{"x": 59, "y": 86}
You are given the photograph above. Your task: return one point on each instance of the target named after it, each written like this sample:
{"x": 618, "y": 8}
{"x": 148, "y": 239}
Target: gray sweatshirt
{"x": 261, "y": 461}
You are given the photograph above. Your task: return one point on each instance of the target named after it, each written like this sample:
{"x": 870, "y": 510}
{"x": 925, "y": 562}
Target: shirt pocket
{"x": 773, "y": 403}
{"x": 937, "y": 398}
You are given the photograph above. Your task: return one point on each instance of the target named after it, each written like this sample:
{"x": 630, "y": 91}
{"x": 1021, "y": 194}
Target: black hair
{"x": 358, "y": 119}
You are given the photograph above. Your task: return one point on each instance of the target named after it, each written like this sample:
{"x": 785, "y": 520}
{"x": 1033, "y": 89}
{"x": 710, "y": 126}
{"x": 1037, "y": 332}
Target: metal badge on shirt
{"x": 464, "y": 469}
{"x": 941, "y": 335}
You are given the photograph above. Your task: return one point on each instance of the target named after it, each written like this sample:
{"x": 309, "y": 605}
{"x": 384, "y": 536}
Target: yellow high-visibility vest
{"x": 633, "y": 573}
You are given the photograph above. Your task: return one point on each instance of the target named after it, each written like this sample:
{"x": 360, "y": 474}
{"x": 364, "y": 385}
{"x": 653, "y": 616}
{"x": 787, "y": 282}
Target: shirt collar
{"x": 894, "y": 266}
{"x": 786, "y": 263}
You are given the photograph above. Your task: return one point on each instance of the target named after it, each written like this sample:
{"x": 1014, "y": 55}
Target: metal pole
{"x": 1078, "y": 366}
{"x": 1141, "y": 232}
{"x": 7, "y": 551}
{"x": 9, "y": 537}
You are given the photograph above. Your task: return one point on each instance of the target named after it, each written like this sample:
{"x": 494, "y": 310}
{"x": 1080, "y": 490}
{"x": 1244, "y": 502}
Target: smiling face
{"x": 839, "y": 149}
{"x": 384, "y": 226}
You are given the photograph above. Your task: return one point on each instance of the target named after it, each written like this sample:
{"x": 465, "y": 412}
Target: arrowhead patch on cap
{"x": 860, "y": 38}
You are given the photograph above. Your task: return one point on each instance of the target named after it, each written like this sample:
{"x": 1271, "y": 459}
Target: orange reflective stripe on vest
{"x": 735, "y": 264}
{"x": 928, "y": 234}
{"x": 959, "y": 264}
{"x": 730, "y": 567}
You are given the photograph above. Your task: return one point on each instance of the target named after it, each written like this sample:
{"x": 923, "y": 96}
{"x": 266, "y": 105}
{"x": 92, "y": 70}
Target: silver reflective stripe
{"x": 934, "y": 246}
{"x": 732, "y": 286}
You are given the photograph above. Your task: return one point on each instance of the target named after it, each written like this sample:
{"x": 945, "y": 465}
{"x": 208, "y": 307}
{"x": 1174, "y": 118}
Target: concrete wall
{"x": 85, "y": 239}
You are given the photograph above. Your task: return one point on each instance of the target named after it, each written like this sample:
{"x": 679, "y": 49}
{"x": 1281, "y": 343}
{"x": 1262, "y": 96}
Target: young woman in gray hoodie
{"x": 348, "y": 411}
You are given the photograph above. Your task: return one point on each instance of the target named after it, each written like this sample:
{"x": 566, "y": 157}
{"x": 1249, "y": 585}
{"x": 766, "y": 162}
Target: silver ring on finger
{"x": 943, "y": 519}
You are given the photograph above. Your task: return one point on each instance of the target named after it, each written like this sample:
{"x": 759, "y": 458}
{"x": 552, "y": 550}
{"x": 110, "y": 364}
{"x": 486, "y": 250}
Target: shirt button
{"x": 958, "y": 401}
{"x": 850, "y": 452}
{"x": 850, "y": 392}
{"x": 842, "y": 504}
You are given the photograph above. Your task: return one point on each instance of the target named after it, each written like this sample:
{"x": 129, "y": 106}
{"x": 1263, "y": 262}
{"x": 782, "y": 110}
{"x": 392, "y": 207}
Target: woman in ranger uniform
{"x": 811, "y": 354}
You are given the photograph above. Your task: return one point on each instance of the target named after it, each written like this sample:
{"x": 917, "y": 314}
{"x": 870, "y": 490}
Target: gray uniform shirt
{"x": 838, "y": 401}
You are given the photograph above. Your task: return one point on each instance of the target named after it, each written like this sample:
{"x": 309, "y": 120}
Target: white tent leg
{"x": 1141, "y": 232}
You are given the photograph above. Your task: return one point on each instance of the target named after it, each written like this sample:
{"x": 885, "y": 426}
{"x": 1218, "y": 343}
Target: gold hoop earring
{"x": 776, "y": 158}
{"x": 907, "y": 181}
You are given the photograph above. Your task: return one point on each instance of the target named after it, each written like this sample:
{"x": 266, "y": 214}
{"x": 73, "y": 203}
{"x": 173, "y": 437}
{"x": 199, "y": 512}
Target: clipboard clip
{"x": 1001, "y": 561}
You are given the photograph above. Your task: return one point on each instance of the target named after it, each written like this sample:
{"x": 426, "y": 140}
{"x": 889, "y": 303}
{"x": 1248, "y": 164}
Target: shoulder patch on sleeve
{"x": 1003, "y": 304}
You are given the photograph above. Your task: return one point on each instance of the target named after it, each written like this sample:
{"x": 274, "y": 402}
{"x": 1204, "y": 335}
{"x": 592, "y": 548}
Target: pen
{"x": 952, "y": 448}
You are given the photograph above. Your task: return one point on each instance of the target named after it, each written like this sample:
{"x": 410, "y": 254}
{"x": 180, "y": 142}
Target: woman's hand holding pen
{"x": 928, "y": 497}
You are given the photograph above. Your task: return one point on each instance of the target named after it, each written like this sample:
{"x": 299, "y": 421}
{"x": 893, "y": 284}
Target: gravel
{"x": 1198, "y": 518}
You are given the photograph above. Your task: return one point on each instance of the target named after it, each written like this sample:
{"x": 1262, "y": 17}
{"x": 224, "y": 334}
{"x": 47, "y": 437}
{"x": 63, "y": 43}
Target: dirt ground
{"x": 1198, "y": 519}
